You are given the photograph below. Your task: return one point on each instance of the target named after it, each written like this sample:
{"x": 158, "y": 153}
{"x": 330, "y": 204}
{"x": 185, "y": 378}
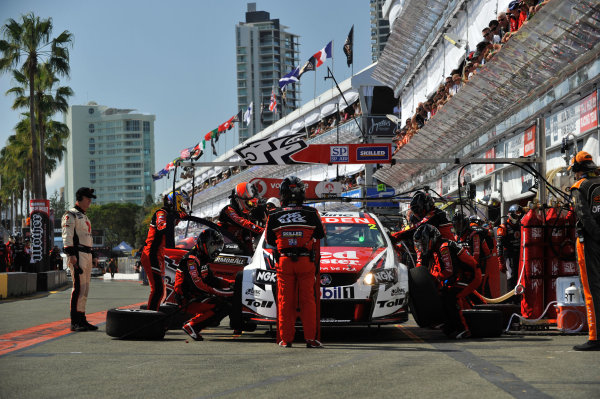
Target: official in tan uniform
{"x": 77, "y": 240}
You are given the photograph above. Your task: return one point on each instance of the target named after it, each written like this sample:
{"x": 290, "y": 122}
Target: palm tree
{"x": 47, "y": 105}
{"x": 30, "y": 39}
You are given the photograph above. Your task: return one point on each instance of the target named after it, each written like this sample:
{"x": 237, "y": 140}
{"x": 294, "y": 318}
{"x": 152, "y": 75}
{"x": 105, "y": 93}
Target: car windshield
{"x": 353, "y": 235}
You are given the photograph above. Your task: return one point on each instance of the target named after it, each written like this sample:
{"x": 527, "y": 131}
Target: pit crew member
{"x": 295, "y": 231}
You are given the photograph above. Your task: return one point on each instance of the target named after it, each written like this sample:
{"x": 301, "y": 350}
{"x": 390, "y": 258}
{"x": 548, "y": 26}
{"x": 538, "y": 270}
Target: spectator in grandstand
{"x": 490, "y": 36}
{"x": 357, "y": 110}
{"x": 456, "y": 84}
{"x": 494, "y": 26}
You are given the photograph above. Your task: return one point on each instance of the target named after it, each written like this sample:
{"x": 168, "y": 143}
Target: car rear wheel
{"x": 135, "y": 324}
{"x": 484, "y": 323}
{"x": 424, "y": 300}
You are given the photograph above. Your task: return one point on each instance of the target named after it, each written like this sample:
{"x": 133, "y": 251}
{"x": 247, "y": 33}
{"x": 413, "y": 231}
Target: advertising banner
{"x": 292, "y": 149}
{"x": 380, "y": 126}
{"x": 268, "y": 188}
{"x": 575, "y": 119}
{"x": 41, "y": 231}
{"x": 490, "y": 154}
{"x": 529, "y": 141}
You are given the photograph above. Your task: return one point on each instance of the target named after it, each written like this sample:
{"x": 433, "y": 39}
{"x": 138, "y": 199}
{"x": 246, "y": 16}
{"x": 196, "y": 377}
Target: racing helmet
{"x": 460, "y": 222}
{"x": 244, "y": 197}
{"x": 426, "y": 238}
{"x": 273, "y": 203}
{"x": 209, "y": 243}
{"x": 292, "y": 190}
{"x": 421, "y": 203}
{"x": 582, "y": 162}
{"x": 178, "y": 200}
{"x": 515, "y": 213}
{"x": 475, "y": 220}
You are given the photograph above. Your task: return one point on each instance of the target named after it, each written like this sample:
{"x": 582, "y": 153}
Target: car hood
{"x": 349, "y": 259}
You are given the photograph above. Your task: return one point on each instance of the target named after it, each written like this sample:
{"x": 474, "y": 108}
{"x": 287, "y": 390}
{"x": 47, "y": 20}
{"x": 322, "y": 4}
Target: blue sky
{"x": 177, "y": 59}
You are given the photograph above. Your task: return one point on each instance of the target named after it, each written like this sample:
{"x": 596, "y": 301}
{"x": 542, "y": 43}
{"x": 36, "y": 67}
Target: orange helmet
{"x": 245, "y": 196}
{"x": 582, "y": 162}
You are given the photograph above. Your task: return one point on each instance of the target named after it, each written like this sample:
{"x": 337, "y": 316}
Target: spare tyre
{"x": 507, "y": 309}
{"x": 484, "y": 323}
{"x": 423, "y": 298}
{"x": 135, "y": 324}
{"x": 176, "y": 321}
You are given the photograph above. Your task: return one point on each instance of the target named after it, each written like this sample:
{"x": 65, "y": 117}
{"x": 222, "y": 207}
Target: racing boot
{"x": 189, "y": 330}
{"x": 76, "y": 324}
{"x": 83, "y": 321}
{"x": 313, "y": 343}
{"x": 588, "y": 346}
{"x": 284, "y": 344}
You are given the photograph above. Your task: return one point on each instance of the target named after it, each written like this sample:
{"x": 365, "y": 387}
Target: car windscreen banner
{"x": 268, "y": 188}
{"x": 40, "y": 230}
{"x": 292, "y": 149}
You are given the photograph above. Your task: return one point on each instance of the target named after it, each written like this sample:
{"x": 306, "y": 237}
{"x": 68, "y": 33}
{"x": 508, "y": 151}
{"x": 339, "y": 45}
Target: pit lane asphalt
{"x": 394, "y": 361}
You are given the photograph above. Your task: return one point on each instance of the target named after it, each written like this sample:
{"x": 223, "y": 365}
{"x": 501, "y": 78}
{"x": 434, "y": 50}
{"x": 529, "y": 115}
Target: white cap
{"x": 274, "y": 201}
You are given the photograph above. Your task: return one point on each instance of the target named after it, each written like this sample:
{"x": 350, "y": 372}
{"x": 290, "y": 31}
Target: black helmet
{"x": 515, "y": 213}
{"x": 421, "y": 203}
{"x": 460, "y": 222}
{"x": 292, "y": 190}
{"x": 209, "y": 244}
{"x": 426, "y": 239}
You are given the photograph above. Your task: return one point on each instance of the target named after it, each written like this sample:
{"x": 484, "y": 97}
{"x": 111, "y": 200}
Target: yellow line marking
{"x": 409, "y": 334}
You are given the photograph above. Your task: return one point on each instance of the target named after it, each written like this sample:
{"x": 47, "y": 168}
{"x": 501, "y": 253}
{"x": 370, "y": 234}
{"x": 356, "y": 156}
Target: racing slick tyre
{"x": 423, "y": 298}
{"x": 236, "y": 321}
{"x": 176, "y": 321}
{"x": 507, "y": 309}
{"x": 135, "y": 324}
{"x": 484, "y": 323}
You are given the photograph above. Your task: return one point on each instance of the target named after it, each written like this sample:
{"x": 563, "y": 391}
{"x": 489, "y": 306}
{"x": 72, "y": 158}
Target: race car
{"x": 362, "y": 282}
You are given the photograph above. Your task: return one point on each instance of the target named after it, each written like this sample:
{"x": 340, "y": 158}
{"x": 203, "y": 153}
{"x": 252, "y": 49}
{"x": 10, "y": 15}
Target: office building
{"x": 110, "y": 150}
{"x": 265, "y": 52}
{"x": 380, "y": 28}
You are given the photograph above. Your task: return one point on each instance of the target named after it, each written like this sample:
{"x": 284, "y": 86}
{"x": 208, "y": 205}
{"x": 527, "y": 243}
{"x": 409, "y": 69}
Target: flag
{"x": 238, "y": 117}
{"x": 160, "y": 174}
{"x": 248, "y": 114}
{"x": 185, "y": 153}
{"x": 308, "y": 66}
{"x": 348, "y": 46}
{"x": 196, "y": 152}
{"x": 212, "y": 144}
{"x": 291, "y": 77}
{"x": 225, "y": 126}
{"x": 273, "y": 104}
{"x": 321, "y": 56}
{"x": 170, "y": 166}
{"x": 262, "y": 109}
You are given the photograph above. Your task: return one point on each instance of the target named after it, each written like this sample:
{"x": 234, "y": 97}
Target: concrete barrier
{"x": 19, "y": 283}
{"x": 47, "y": 281}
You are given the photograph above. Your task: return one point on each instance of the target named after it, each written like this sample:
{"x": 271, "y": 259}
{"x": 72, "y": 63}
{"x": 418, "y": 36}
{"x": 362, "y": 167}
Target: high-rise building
{"x": 380, "y": 28}
{"x": 265, "y": 52}
{"x": 110, "y": 150}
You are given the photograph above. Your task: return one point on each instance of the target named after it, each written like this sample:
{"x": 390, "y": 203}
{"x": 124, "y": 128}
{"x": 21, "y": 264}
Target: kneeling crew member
{"x": 295, "y": 230}
{"x": 197, "y": 289}
{"x": 453, "y": 267}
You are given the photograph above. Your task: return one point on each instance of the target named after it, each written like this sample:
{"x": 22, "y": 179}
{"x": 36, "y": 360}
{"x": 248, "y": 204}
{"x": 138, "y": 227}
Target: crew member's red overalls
{"x": 479, "y": 242}
{"x": 240, "y": 227}
{"x": 194, "y": 280}
{"x": 295, "y": 231}
{"x": 160, "y": 234}
{"x": 454, "y": 267}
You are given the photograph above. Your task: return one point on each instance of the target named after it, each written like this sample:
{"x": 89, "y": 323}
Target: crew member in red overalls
{"x": 456, "y": 272}
{"x": 197, "y": 289}
{"x": 295, "y": 230}
{"x": 235, "y": 217}
{"x": 160, "y": 235}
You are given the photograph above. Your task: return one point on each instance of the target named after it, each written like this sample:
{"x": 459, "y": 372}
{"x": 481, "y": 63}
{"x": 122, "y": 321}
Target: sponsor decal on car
{"x": 253, "y": 292}
{"x": 230, "y": 260}
{"x": 357, "y": 220}
{"x": 265, "y": 277}
{"x": 390, "y": 304}
{"x": 337, "y": 292}
{"x": 257, "y": 303}
{"x": 398, "y": 292}
{"x": 325, "y": 279}
{"x": 386, "y": 276}
{"x": 340, "y": 258}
